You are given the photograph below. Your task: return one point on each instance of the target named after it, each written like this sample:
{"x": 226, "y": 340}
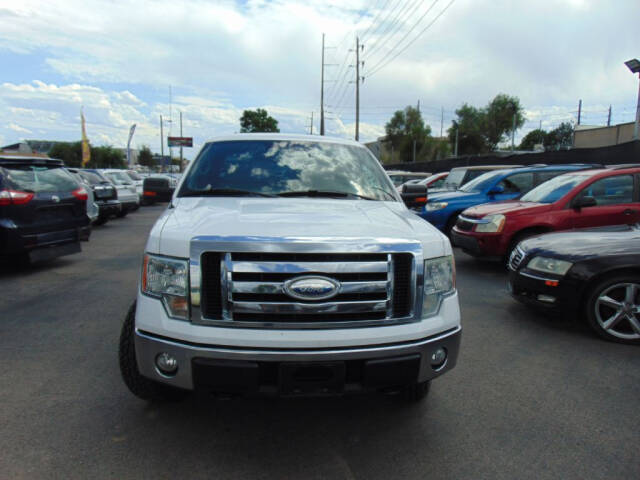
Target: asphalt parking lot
{"x": 530, "y": 397}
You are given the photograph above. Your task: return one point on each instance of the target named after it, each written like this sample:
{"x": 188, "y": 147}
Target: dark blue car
{"x": 442, "y": 209}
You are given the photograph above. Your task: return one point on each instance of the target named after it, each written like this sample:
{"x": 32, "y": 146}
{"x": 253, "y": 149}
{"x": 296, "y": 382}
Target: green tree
{"x": 533, "y": 138}
{"x": 405, "y": 127}
{"x": 69, "y": 152}
{"x": 145, "y": 157}
{"x": 562, "y": 136}
{"x": 257, "y": 121}
{"x": 106, "y": 157}
{"x": 480, "y": 130}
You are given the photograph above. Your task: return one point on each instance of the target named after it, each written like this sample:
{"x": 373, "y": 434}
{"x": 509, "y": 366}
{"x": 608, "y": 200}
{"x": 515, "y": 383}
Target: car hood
{"x": 587, "y": 243}
{"x": 453, "y": 196}
{"x": 293, "y": 218}
{"x": 511, "y": 207}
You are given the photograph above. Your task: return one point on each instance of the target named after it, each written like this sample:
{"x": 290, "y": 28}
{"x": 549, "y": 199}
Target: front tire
{"x": 122, "y": 213}
{"x": 141, "y": 386}
{"x": 613, "y": 308}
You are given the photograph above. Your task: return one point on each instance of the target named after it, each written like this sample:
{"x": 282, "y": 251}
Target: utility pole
{"x": 414, "y": 151}
{"x": 513, "y": 133}
{"x": 357, "y": 89}
{"x": 441, "y": 120}
{"x": 540, "y": 125}
{"x": 579, "y": 110}
{"x": 181, "y": 143}
{"x": 311, "y": 125}
{"x": 455, "y": 151}
{"x": 321, "y": 95}
{"x": 609, "y": 117}
{"x": 161, "y": 144}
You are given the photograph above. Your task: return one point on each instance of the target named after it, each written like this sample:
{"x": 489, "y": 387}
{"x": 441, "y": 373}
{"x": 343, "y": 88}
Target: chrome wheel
{"x": 617, "y": 310}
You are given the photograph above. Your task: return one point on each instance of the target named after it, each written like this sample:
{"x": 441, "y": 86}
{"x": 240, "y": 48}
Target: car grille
{"x": 515, "y": 259}
{"x": 249, "y": 287}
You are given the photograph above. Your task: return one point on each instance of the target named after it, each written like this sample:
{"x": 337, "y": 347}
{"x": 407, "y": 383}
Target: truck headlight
{"x": 167, "y": 279}
{"x": 493, "y": 224}
{"x": 431, "y": 206}
{"x": 549, "y": 265}
{"x": 439, "y": 281}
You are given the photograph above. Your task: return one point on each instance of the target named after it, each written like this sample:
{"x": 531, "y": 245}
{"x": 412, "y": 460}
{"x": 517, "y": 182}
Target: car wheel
{"x": 416, "y": 391}
{"x": 613, "y": 308}
{"x": 122, "y": 213}
{"x": 140, "y": 386}
{"x": 101, "y": 220}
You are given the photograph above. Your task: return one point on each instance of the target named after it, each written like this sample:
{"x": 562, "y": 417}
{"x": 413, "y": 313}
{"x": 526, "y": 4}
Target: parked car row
{"x": 47, "y": 209}
{"x": 591, "y": 267}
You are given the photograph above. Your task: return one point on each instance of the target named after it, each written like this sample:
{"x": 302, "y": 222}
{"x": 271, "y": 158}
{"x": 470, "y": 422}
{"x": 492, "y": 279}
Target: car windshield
{"x": 479, "y": 184}
{"x": 454, "y": 178}
{"x": 119, "y": 178}
{"x": 91, "y": 178}
{"x": 554, "y": 189}
{"x": 134, "y": 175}
{"x": 38, "y": 179}
{"x": 275, "y": 167}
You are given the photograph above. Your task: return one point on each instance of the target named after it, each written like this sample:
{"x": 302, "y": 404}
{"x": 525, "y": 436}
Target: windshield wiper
{"x": 323, "y": 193}
{"x": 224, "y": 192}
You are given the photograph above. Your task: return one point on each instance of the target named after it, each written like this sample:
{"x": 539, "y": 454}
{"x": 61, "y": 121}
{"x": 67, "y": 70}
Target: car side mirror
{"x": 414, "y": 195}
{"x": 584, "y": 202}
{"x": 497, "y": 189}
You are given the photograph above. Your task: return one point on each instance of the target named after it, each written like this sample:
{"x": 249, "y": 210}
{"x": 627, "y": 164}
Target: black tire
{"x": 598, "y": 313}
{"x": 101, "y": 220}
{"x": 122, "y": 213}
{"x": 141, "y": 386}
{"x": 416, "y": 392}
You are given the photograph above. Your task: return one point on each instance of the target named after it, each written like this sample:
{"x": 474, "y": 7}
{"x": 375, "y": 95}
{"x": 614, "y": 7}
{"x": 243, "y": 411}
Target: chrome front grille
{"x": 248, "y": 288}
{"x": 515, "y": 259}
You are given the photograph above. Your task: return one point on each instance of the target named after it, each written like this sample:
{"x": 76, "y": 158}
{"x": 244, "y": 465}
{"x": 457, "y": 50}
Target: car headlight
{"x": 431, "y": 206}
{"x": 549, "y": 265}
{"x": 167, "y": 279}
{"x": 491, "y": 224}
{"x": 439, "y": 281}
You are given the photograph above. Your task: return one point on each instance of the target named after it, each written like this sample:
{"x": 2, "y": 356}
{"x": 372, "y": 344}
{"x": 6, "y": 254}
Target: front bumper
{"x": 239, "y": 370}
{"x": 478, "y": 245}
{"x": 531, "y": 289}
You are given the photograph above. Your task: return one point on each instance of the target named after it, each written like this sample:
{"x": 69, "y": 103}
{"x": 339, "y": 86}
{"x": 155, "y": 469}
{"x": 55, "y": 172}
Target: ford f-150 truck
{"x": 289, "y": 265}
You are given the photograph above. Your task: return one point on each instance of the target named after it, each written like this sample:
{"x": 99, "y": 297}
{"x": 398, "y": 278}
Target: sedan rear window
{"x": 36, "y": 179}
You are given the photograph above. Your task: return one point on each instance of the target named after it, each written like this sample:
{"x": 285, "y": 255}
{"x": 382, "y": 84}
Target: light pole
{"x": 634, "y": 66}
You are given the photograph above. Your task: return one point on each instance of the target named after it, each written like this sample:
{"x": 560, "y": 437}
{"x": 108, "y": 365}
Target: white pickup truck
{"x": 289, "y": 265}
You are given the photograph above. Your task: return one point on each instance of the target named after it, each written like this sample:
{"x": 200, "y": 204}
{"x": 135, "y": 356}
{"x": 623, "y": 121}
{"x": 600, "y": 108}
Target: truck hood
{"x": 508, "y": 207}
{"x": 286, "y": 217}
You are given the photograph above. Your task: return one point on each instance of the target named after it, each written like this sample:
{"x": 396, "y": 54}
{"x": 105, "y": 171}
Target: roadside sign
{"x": 180, "y": 141}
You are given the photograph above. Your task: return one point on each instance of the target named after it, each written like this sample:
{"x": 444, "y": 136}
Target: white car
{"x": 127, "y": 193}
{"x": 289, "y": 265}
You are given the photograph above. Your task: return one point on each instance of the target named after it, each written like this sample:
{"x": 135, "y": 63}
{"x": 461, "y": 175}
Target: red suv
{"x": 587, "y": 198}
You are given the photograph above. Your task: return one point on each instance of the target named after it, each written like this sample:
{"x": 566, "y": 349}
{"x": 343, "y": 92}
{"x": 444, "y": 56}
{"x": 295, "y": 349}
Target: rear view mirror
{"x": 414, "y": 195}
{"x": 584, "y": 202}
{"x": 497, "y": 189}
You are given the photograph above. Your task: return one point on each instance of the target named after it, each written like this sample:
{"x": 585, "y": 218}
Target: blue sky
{"x": 117, "y": 59}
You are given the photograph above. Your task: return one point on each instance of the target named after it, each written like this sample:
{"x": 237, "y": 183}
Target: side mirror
{"x": 497, "y": 189}
{"x": 584, "y": 202}
{"x": 414, "y": 195}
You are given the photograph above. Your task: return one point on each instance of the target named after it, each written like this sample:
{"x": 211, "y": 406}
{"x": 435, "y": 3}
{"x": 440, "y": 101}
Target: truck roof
{"x": 284, "y": 137}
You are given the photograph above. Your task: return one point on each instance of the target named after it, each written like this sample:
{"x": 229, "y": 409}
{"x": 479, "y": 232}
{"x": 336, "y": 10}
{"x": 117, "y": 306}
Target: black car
{"x": 594, "y": 273}
{"x": 157, "y": 188}
{"x": 42, "y": 209}
{"x": 104, "y": 193}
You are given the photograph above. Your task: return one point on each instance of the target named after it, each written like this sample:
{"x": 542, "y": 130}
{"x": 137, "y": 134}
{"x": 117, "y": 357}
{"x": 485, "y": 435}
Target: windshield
{"x": 554, "y": 189}
{"x": 454, "y": 178}
{"x": 29, "y": 178}
{"x": 133, "y": 175}
{"x": 91, "y": 178}
{"x": 119, "y": 178}
{"x": 484, "y": 181}
{"x": 277, "y": 167}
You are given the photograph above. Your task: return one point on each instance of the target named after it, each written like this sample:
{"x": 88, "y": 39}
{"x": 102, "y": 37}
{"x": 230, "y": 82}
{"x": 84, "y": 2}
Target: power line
{"x": 399, "y": 22}
{"x": 377, "y": 68}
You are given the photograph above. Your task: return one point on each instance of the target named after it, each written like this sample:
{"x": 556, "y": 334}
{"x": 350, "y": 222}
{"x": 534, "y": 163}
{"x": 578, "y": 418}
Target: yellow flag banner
{"x": 86, "y": 151}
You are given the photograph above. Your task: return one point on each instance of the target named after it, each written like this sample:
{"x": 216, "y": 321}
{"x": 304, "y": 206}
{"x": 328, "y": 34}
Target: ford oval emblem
{"x": 311, "y": 288}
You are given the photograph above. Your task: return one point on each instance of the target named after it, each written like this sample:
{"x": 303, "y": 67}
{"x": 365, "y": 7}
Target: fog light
{"x": 546, "y": 298}
{"x": 166, "y": 363}
{"x": 438, "y": 357}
